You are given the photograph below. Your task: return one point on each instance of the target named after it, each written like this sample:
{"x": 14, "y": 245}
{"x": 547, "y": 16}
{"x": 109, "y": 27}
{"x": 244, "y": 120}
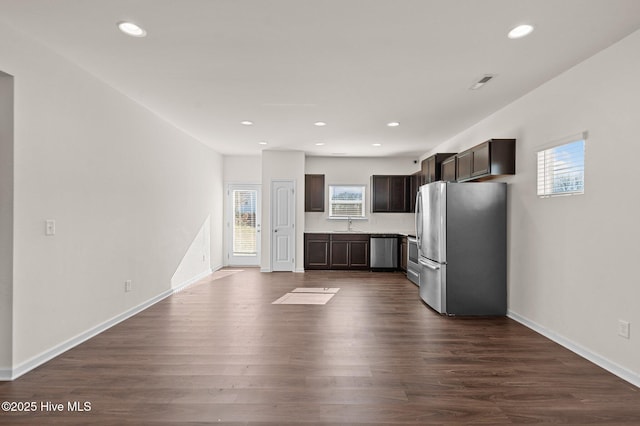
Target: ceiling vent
{"x": 482, "y": 81}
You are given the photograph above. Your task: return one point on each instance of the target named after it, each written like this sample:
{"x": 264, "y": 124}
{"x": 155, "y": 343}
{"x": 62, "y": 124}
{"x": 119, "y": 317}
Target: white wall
{"x": 6, "y": 222}
{"x": 282, "y": 165}
{"x": 243, "y": 169}
{"x": 346, "y": 170}
{"x": 573, "y": 260}
{"x": 129, "y": 192}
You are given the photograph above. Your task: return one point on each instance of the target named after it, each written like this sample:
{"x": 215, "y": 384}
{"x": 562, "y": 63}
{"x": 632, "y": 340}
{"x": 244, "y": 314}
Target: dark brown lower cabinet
{"x": 404, "y": 253}
{"x": 359, "y": 254}
{"x": 336, "y": 251}
{"x": 316, "y": 251}
{"x": 339, "y": 255}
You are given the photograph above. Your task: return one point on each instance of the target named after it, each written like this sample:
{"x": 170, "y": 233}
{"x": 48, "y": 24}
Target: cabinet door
{"x": 431, "y": 169}
{"x": 424, "y": 172}
{"x": 463, "y": 165}
{"x": 414, "y": 187}
{"x": 404, "y": 253}
{"x": 316, "y": 251}
{"x": 380, "y": 189}
{"x": 399, "y": 191}
{"x": 340, "y": 254}
{"x": 390, "y": 194}
{"x": 481, "y": 162}
{"x": 359, "y": 255}
{"x": 313, "y": 193}
{"x": 449, "y": 169}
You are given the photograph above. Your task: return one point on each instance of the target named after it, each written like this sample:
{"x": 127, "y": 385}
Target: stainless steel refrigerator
{"x": 461, "y": 232}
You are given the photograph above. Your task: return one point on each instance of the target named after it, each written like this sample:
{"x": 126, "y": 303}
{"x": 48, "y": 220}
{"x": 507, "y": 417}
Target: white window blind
{"x": 346, "y": 201}
{"x": 244, "y": 222}
{"x": 561, "y": 169}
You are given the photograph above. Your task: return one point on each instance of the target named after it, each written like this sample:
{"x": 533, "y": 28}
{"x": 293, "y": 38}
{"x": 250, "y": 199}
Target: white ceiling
{"x": 207, "y": 65}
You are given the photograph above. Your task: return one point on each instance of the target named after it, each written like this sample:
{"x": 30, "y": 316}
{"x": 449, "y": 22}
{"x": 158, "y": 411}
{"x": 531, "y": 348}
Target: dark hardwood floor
{"x": 220, "y": 353}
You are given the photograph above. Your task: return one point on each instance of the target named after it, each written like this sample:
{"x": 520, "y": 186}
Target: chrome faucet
{"x": 349, "y": 223}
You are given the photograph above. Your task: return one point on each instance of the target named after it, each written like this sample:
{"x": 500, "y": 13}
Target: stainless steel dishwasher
{"x": 384, "y": 252}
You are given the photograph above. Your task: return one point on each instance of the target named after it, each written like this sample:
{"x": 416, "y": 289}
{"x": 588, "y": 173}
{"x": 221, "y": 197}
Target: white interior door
{"x": 243, "y": 225}
{"x": 283, "y": 225}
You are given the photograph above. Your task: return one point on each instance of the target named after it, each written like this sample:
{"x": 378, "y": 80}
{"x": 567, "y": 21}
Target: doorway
{"x": 243, "y": 248}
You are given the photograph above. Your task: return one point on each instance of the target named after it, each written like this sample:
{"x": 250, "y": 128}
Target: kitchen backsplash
{"x": 401, "y": 223}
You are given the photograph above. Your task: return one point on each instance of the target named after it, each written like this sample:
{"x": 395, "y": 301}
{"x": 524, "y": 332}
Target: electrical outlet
{"x": 127, "y": 286}
{"x": 624, "y": 329}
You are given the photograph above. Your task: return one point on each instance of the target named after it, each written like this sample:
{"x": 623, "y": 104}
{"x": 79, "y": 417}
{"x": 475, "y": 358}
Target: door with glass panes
{"x": 243, "y": 225}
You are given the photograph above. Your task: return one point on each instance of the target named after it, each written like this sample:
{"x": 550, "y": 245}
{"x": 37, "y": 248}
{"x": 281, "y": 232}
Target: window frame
{"x": 549, "y": 168}
{"x": 362, "y": 201}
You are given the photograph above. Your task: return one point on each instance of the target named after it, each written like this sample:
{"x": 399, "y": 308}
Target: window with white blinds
{"x": 561, "y": 169}
{"x": 346, "y": 201}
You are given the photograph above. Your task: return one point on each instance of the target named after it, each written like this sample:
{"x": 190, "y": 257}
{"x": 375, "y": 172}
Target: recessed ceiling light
{"x": 131, "y": 29}
{"x": 246, "y": 123}
{"x": 319, "y": 123}
{"x": 319, "y": 143}
{"x": 393, "y": 124}
{"x": 376, "y": 144}
{"x": 520, "y": 31}
{"x": 262, "y": 143}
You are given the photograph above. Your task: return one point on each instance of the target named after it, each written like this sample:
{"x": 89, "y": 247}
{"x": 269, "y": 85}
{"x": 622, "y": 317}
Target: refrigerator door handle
{"x": 418, "y": 219}
{"x": 429, "y": 265}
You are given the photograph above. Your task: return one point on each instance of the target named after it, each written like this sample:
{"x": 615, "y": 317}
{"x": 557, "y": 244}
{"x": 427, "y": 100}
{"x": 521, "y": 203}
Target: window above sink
{"x": 347, "y": 201}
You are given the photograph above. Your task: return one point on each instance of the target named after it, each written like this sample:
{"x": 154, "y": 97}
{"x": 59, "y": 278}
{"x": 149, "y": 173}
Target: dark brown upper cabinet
{"x": 491, "y": 158}
{"x": 390, "y": 193}
{"x": 414, "y": 186}
{"x": 431, "y": 167}
{"x": 448, "y": 169}
{"x": 313, "y": 193}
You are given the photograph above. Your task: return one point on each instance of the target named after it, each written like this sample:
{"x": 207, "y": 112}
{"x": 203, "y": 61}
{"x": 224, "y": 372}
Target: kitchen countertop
{"x": 399, "y": 234}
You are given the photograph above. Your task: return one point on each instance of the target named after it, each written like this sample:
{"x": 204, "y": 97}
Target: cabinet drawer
{"x": 349, "y": 237}
{"x": 317, "y": 237}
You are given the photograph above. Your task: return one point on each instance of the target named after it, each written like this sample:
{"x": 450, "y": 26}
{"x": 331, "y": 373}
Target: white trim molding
{"x": 25, "y": 367}
{"x": 193, "y": 280}
{"x": 610, "y": 366}
{"x": 48, "y": 355}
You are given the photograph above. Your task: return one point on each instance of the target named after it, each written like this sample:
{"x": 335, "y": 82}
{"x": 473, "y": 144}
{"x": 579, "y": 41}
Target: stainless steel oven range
{"x": 413, "y": 267}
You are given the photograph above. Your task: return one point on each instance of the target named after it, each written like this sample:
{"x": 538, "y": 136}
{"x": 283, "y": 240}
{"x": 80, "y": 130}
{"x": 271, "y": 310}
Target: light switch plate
{"x": 50, "y": 227}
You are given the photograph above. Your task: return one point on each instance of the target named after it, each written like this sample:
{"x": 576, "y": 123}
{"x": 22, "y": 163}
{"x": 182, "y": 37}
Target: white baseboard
{"x": 610, "y": 366}
{"x": 193, "y": 280}
{"x": 265, "y": 269}
{"x": 25, "y": 367}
